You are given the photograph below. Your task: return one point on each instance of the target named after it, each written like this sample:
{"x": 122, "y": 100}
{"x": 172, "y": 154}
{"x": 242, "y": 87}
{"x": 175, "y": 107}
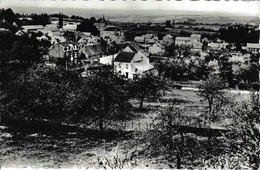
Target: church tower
{"x": 103, "y": 23}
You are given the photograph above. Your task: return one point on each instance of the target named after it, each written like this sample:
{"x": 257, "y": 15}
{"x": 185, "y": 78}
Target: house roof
{"x": 183, "y": 39}
{"x": 197, "y": 45}
{"x": 148, "y": 36}
{"x": 70, "y": 26}
{"x": 44, "y": 37}
{"x": 67, "y": 43}
{"x": 125, "y": 57}
{"x": 32, "y": 27}
{"x": 195, "y": 36}
{"x": 139, "y": 39}
{"x": 168, "y": 36}
{"x": 253, "y": 45}
{"x": 133, "y": 48}
{"x": 93, "y": 50}
{"x": 88, "y": 34}
{"x": 20, "y": 33}
{"x": 51, "y": 27}
{"x": 110, "y": 28}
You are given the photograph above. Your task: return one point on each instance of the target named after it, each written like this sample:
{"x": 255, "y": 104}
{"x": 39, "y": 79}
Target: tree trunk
{"x": 178, "y": 160}
{"x": 209, "y": 124}
{"x": 101, "y": 128}
{"x": 209, "y": 137}
{"x": 141, "y": 102}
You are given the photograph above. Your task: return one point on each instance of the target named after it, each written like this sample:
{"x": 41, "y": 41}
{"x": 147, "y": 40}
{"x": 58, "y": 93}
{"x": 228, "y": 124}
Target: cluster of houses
{"x": 131, "y": 61}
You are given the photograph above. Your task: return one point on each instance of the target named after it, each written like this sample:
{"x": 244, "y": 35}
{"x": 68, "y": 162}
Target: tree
{"x": 42, "y": 92}
{"x": 170, "y": 137}
{"x": 243, "y": 139}
{"x": 8, "y": 15}
{"x": 42, "y": 19}
{"x": 104, "y": 96}
{"x": 211, "y": 92}
{"x": 88, "y": 26}
{"x": 147, "y": 86}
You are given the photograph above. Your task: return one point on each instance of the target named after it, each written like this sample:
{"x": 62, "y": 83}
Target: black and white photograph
{"x": 129, "y": 84}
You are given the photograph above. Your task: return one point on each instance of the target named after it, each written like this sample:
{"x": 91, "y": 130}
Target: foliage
{"x": 103, "y": 96}
{"x": 87, "y": 25}
{"x": 41, "y": 93}
{"x": 244, "y": 135}
{"x": 40, "y": 19}
{"x": 211, "y": 90}
{"x": 169, "y": 138}
{"x": 239, "y": 33}
{"x": 147, "y": 86}
{"x": 8, "y": 15}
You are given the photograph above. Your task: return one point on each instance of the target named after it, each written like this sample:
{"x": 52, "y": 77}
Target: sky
{"x": 249, "y": 8}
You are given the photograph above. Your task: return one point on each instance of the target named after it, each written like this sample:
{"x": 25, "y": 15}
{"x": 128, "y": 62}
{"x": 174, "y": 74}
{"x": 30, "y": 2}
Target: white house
{"x": 70, "y": 27}
{"x": 195, "y": 37}
{"x": 131, "y": 64}
{"x": 197, "y": 46}
{"x": 253, "y": 47}
{"x": 217, "y": 46}
{"x": 183, "y": 41}
{"x": 139, "y": 39}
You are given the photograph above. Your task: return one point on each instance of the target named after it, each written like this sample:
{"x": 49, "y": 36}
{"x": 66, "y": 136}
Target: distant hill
{"x": 158, "y": 16}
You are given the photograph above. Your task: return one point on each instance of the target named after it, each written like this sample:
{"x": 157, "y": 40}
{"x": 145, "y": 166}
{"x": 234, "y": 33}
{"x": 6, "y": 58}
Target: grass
{"x": 49, "y": 145}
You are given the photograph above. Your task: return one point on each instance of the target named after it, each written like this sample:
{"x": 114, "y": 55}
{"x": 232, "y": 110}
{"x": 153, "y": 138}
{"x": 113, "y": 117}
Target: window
{"x": 136, "y": 70}
{"x": 126, "y": 66}
{"x": 135, "y": 76}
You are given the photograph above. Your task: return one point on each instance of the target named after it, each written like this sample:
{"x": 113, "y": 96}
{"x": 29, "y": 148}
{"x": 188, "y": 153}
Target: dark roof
{"x": 133, "y": 48}
{"x": 110, "y": 28}
{"x": 125, "y": 57}
{"x": 67, "y": 43}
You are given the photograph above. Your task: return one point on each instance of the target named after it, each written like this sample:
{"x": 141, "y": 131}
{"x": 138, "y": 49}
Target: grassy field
{"x": 55, "y": 146}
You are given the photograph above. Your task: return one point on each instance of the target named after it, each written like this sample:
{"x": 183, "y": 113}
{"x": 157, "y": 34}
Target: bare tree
{"x": 211, "y": 91}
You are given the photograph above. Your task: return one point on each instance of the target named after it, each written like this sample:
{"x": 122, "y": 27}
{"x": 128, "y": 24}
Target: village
{"x": 109, "y": 46}
{"x": 116, "y": 94}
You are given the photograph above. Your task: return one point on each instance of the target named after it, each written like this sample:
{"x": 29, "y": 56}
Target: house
{"x": 118, "y": 39}
{"x": 84, "y": 37}
{"x": 92, "y": 53}
{"x": 20, "y": 33}
{"x": 51, "y": 27}
{"x": 195, "y": 37}
{"x": 131, "y": 49}
{"x": 107, "y": 60}
{"x": 29, "y": 28}
{"x": 64, "y": 50}
{"x": 43, "y": 38}
{"x": 150, "y": 38}
{"x": 167, "y": 37}
{"x": 111, "y": 30}
{"x": 167, "y": 40}
{"x": 57, "y": 39}
{"x": 70, "y": 27}
{"x": 253, "y": 47}
{"x": 139, "y": 39}
{"x": 217, "y": 46}
{"x": 157, "y": 49}
{"x": 131, "y": 64}
{"x": 197, "y": 46}
{"x": 183, "y": 41}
